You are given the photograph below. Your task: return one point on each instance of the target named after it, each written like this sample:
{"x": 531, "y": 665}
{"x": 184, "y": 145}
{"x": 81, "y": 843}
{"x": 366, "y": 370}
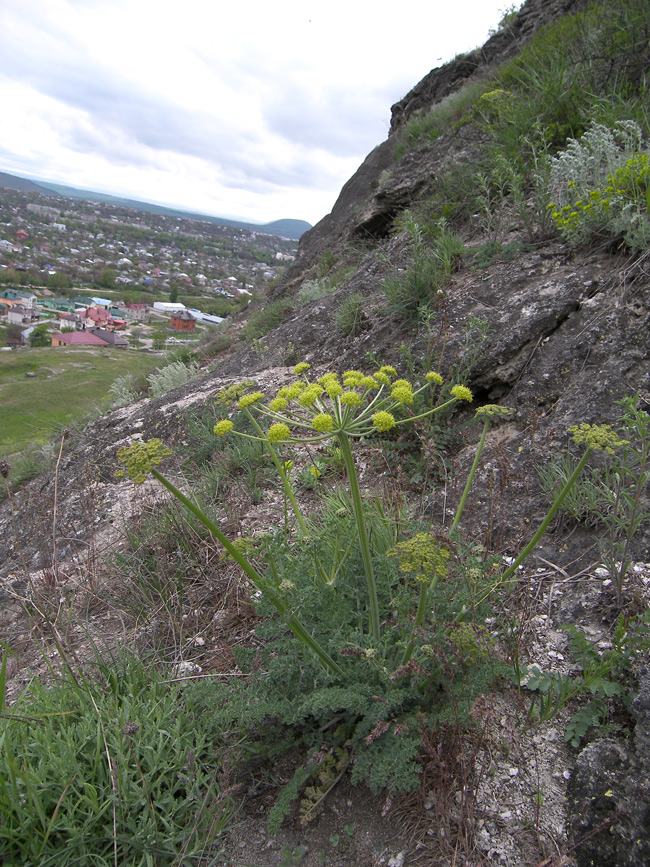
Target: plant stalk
{"x": 549, "y": 517}
{"x": 470, "y": 478}
{"x": 357, "y": 503}
{"x": 280, "y": 605}
{"x": 419, "y": 616}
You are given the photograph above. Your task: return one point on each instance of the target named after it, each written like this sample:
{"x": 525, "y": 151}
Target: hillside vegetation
{"x": 384, "y": 574}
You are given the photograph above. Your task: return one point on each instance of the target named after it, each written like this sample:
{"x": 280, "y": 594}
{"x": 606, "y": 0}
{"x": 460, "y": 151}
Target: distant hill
{"x": 283, "y": 228}
{"x": 12, "y": 182}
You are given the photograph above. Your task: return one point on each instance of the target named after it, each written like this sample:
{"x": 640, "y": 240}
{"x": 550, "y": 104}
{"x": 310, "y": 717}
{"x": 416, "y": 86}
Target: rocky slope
{"x": 565, "y": 336}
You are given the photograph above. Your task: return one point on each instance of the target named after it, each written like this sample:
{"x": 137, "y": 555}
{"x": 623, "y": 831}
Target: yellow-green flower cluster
{"x": 223, "y": 427}
{"x": 461, "y": 392}
{"x": 422, "y": 557}
{"x": 632, "y": 179}
{"x": 250, "y": 399}
{"x": 310, "y": 394}
{"x": 492, "y": 410}
{"x": 278, "y": 404}
{"x": 355, "y": 404}
{"x": 291, "y": 392}
{"x": 350, "y": 398}
{"x": 233, "y": 392}
{"x": 278, "y": 433}
{"x": 576, "y": 221}
{"x": 383, "y": 421}
{"x": 401, "y": 390}
{"x": 138, "y": 458}
{"x": 600, "y": 437}
{"x": 323, "y": 422}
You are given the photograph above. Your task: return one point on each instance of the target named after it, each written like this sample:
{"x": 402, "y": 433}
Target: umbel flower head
{"x": 422, "y": 557}
{"x": 355, "y": 404}
{"x": 493, "y": 410}
{"x": 138, "y": 458}
{"x": 600, "y": 437}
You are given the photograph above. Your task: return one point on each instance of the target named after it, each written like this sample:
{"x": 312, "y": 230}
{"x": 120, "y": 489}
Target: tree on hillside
{"x": 40, "y": 336}
{"x": 107, "y": 278}
{"x": 11, "y": 276}
{"x": 173, "y": 294}
{"x": 13, "y": 335}
{"x": 58, "y": 281}
{"x": 159, "y": 338}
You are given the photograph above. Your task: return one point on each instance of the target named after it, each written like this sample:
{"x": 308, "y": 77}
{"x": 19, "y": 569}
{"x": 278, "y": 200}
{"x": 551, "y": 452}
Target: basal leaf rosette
{"x": 354, "y": 404}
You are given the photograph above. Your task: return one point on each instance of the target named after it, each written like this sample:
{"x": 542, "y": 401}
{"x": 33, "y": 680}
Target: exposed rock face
{"x": 365, "y": 208}
{"x": 609, "y": 796}
{"x": 439, "y": 83}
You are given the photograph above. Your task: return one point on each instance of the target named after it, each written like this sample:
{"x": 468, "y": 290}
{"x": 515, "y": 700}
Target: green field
{"x": 43, "y": 390}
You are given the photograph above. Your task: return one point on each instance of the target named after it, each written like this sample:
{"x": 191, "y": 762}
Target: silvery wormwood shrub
{"x": 172, "y": 376}
{"x": 600, "y": 184}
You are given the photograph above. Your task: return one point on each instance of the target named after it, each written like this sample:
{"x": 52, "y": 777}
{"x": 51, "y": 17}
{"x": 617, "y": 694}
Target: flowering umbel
{"x": 138, "y": 458}
{"x": 422, "y": 557}
{"x": 353, "y": 404}
{"x": 599, "y": 437}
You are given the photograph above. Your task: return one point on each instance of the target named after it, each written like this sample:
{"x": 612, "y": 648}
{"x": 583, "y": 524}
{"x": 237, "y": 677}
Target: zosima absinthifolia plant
{"x": 347, "y": 408}
{"x": 341, "y": 408}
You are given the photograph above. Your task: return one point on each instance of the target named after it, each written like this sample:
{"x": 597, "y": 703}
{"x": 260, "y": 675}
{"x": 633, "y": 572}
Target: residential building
{"x": 110, "y": 337}
{"x": 183, "y": 321}
{"x": 27, "y": 299}
{"x": 78, "y": 338}
{"x": 140, "y": 312}
{"x": 18, "y": 314}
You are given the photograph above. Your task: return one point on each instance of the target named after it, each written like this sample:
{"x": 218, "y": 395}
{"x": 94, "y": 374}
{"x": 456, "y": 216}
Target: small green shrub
{"x": 261, "y": 321}
{"x": 426, "y": 276}
{"x": 349, "y": 316}
{"x": 602, "y": 677}
{"x": 602, "y": 186}
{"x": 29, "y": 464}
{"x": 123, "y": 391}
{"x": 110, "y": 769}
{"x": 612, "y": 496}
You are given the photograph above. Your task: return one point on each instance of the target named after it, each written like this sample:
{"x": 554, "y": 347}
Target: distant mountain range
{"x": 283, "y": 228}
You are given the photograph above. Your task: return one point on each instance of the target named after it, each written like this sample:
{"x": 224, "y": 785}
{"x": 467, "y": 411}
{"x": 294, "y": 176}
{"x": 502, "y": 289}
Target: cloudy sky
{"x": 257, "y": 110}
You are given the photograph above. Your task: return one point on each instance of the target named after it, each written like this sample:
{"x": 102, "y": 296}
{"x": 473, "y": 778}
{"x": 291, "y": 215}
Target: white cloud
{"x": 259, "y": 110}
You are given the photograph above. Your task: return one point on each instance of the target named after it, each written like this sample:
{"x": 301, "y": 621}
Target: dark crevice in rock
{"x": 378, "y": 227}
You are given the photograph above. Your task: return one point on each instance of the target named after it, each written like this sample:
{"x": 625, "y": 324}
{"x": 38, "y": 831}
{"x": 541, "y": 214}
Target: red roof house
{"x": 78, "y": 338}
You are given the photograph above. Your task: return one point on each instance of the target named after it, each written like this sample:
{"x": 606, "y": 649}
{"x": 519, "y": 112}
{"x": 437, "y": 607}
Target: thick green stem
{"x": 549, "y": 517}
{"x": 470, "y": 478}
{"x": 288, "y": 490}
{"x": 357, "y": 503}
{"x": 419, "y": 616}
{"x": 277, "y": 601}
